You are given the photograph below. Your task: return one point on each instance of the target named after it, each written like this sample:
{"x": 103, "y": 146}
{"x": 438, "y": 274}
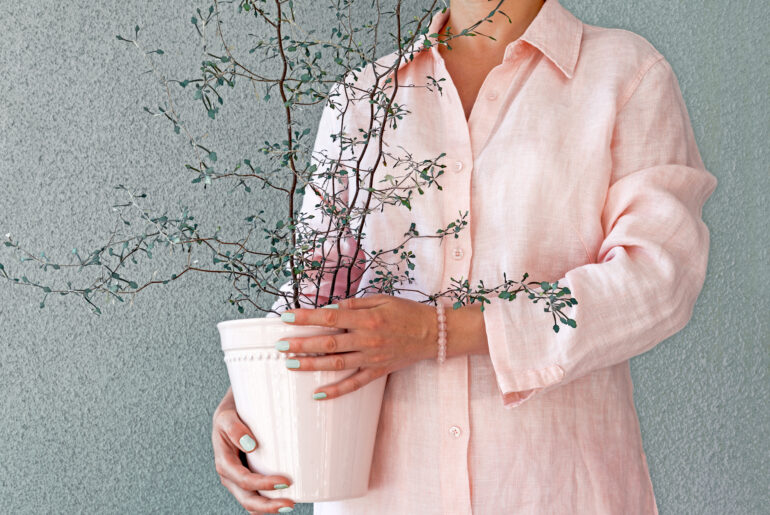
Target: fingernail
{"x": 331, "y": 306}
{"x": 285, "y": 509}
{"x": 279, "y": 486}
{"x": 292, "y": 363}
{"x": 282, "y": 345}
{"x": 248, "y": 443}
{"x": 319, "y": 395}
{"x": 287, "y": 317}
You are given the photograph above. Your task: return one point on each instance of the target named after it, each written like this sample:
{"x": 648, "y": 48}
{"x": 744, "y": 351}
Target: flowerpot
{"x": 324, "y": 446}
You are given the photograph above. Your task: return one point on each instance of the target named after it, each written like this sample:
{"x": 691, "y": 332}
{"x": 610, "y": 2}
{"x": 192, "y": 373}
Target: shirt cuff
{"x": 523, "y": 348}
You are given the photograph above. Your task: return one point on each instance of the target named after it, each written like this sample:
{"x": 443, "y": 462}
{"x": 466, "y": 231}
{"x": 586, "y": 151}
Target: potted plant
{"x": 312, "y": 253}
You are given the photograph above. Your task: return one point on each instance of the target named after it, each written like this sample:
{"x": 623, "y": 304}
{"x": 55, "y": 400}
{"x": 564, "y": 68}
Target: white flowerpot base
{"x": 324, "y": 446}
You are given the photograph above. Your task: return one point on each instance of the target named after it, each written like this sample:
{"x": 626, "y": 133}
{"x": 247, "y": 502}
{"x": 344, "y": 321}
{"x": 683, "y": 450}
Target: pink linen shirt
{"x": 578, "y": 164}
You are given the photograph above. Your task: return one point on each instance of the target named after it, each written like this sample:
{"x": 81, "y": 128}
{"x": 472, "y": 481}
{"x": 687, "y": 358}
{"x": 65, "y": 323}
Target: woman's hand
{"x": 384, "y": 334}
{"x": 229, "y": 436}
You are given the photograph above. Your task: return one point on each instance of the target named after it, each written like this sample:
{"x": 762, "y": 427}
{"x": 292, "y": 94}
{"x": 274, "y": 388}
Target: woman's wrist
{"x": 466, "y": 333}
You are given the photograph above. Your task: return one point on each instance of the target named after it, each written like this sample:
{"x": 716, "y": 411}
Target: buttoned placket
{"x": 453, "y": 375}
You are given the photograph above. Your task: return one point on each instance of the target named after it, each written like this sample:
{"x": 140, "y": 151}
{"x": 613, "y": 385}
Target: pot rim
{"x": 254, "y": 324}
{"x": 248, "y": 321}
{"x": 238, "y": 322}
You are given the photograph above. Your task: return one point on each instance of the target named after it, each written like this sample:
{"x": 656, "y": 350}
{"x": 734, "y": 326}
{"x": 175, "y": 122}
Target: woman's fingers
{"x": 339, "y": 318}
{"x": 227, "y": 442}
{"x": 327, "y": 343}
{"x": 229, "y": 466}
{"x": 253, "y": 502}
{"x": 229, "y": 437}
{"x": 364, "y": 302}
{"x": 236, "y": 431}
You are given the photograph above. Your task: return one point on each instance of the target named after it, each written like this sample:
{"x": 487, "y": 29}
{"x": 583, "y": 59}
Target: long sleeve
{"x": 651, "y": 264}
{"x": 329, "y": 154}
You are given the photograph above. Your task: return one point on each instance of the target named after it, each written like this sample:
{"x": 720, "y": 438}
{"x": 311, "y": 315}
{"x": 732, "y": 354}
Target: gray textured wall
{"x": 112, "y": 414}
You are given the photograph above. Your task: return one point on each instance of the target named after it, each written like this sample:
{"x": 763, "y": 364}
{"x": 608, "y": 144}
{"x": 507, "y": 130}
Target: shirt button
{"x": 492, "y": 95}
{"x": 457, "y": 253}
{"x": 455, "y": 431}
{"x": 458, "y": 166}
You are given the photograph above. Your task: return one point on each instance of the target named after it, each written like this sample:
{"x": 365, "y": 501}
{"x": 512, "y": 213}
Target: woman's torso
{"x": 534, "y": 166}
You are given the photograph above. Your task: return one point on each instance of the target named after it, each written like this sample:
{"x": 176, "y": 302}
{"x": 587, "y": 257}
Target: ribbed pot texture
{"x": 324, "y": 446}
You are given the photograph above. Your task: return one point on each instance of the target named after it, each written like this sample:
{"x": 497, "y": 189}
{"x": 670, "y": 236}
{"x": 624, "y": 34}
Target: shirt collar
{"x": 555, "y": 31}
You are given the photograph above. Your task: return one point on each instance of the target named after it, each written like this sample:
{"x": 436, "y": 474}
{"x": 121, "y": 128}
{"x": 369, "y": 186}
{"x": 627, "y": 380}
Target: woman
{"x": 571, "y": 148}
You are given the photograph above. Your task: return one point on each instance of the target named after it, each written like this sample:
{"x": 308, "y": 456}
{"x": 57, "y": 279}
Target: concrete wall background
{"x": 112, "y": 414}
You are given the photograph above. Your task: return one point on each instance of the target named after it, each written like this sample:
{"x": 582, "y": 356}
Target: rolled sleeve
{"x": 651, "y": 264}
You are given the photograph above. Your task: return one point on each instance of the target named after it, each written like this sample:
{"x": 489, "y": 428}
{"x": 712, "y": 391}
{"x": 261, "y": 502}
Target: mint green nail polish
{"x": 331, "y": 306}
{"x": 287, "y": 317}
{"x": 282, "y": 345}
{"x": 292, "y": 363}
{"x": 285, "y": 509}
{"x": 319, "y": 395}
{"x": 280, "y": 486}
{"x": 248, "y": 443}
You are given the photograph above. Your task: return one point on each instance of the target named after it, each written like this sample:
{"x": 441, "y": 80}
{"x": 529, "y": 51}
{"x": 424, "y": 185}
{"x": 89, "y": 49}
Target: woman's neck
{"x": 508, "y": 23}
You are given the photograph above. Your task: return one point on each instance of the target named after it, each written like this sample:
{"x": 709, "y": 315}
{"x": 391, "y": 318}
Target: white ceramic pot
{"x": 324, "y": 446}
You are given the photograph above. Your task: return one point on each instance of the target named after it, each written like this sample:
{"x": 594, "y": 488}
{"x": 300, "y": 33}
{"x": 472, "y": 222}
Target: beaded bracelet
{"x": 441, "y": 315}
